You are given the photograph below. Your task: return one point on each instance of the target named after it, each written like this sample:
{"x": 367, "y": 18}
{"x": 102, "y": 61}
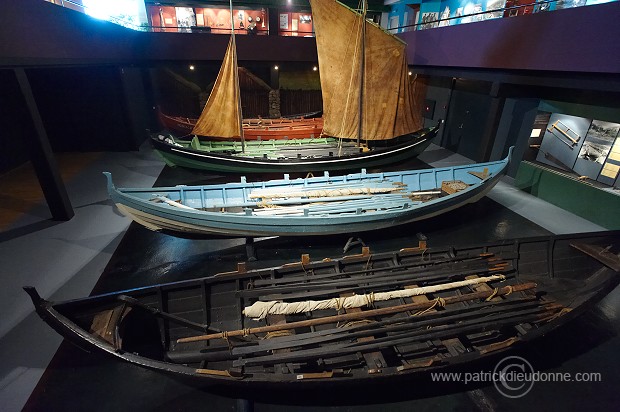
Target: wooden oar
{"x": 389, "y": 326}
{"x": 381, "y": 277}
{"x": 343, "y": 191}
{"x": 361, "y": 315}
{"x": 342, "y": 333}
{"x": 296, "y": 201}
{"x": 357, "y": 285}
{"x": 437, "y": 332}
{"x": 427, "y": 263}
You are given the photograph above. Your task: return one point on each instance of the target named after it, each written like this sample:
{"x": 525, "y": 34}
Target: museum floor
{"x": 99, "y": 251}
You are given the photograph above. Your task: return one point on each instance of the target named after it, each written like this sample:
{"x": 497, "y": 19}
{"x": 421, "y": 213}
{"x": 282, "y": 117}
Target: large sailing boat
{"x": 370, "y": 116}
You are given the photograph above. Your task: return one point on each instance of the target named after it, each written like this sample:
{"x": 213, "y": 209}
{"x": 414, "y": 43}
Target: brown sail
{"x": 388, "y": 107}
{"x": 221, "y": 115}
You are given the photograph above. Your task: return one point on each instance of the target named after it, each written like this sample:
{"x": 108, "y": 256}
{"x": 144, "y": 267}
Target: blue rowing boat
{"x": 320, "y": 205}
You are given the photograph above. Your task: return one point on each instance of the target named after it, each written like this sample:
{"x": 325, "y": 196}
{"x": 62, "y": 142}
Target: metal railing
{"x": 535, "y": 7}
{"x": 539, "y": 6}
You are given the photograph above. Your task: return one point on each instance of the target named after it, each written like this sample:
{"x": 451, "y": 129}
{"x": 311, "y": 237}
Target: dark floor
{"x": 76, "y": 380}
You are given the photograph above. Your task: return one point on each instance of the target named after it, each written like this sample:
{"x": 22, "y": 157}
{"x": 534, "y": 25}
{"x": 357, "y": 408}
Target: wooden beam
{"x": 42, "y": 157}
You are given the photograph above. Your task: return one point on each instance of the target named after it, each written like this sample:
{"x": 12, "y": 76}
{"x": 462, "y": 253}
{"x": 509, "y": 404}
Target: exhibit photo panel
{"x": 587, "y": 148}
{"x": 611, "y": 168}
{"x": 595, "y": 148}
{"x": 562, "y": 140}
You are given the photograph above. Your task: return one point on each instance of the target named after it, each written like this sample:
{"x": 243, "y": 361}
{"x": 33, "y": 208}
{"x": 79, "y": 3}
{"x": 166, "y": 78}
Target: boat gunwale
{"x": 356, "y": 258}
{"x": 327, "y": 178}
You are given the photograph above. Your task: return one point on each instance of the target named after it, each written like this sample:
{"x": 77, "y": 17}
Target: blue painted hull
{"x": 184, "y": 213}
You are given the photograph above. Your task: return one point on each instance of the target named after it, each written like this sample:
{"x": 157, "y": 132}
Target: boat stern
{"x": 34, "y": 295}
{"x": 509, "y": 156}
{"x": 110, "y": 183}
{"x": 41, "y": 305}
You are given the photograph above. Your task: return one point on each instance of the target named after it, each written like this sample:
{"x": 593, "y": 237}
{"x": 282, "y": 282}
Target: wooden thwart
{"x": 481, "y": 175}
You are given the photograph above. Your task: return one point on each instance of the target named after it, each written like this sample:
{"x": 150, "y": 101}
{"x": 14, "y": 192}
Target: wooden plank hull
{"x": 196, "y": 328}
{"x": 297, "y": 158}
{"x": 234, "y": 210}
{"x": 295, "y": 127}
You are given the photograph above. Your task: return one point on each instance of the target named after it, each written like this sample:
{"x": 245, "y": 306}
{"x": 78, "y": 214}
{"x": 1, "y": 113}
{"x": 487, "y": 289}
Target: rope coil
{"x": 492, "y": 295}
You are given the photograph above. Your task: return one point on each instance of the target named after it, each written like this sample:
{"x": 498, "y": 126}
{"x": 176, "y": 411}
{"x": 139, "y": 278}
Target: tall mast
{"x": 236, "y": 69}
{"x": 363, "y": 58}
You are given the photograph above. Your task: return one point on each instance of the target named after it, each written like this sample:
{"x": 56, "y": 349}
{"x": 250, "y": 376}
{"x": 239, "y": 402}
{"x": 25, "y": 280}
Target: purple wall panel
{"x": 583, "y": 39}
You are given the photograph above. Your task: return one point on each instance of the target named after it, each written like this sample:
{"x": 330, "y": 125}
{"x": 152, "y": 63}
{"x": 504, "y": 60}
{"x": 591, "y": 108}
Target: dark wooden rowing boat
{"x": 487, "y": 299}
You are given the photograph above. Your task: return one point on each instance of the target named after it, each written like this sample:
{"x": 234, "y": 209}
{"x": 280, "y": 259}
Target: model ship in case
{"x": 320, "y": 205}
{"x": 360, "y": 318}
{"x": 370, "y": 114}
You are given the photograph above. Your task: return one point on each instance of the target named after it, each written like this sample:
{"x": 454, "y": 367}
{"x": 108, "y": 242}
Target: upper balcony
{"x": 575, "y": 40}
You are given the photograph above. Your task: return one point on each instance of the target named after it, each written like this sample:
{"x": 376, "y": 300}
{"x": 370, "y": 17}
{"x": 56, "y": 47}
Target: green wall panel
{"x": 591, "y": 203}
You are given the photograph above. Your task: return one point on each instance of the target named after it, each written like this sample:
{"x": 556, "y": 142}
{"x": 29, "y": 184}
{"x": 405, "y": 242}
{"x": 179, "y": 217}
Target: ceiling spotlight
{"x": 276, "y": 67}
{"x": 314, "y": 68}
{"x": 191, "y": 67}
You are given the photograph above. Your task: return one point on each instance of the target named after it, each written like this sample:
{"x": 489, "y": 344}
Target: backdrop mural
{"x": 450, "y": 11}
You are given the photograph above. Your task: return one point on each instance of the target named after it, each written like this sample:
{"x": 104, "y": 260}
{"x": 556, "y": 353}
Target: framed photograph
{"x": 598, "y": 141}
{"x": 567, "y": 4}
{"x": 494, "y": 9}
{"x": 429, "y": 20}
{"x": 284, "y": 21}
